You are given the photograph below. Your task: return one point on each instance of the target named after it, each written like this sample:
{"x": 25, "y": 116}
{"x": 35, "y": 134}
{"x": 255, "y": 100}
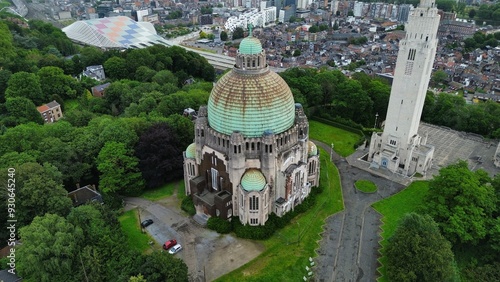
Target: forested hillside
{"x": 106, "y": 141}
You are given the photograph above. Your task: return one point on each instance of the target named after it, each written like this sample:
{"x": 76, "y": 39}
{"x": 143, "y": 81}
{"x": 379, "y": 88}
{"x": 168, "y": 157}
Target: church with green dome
{"x": 251, "y": 155}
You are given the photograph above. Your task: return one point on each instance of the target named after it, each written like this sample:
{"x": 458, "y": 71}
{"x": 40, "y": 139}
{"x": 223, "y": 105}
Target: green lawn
{"x": 285, "y": 256}
{"x": 365, "y": 186}
{"x": 163, "y": 191}
{"x": 342, "y": 140}
{"x": 4, "y": 4}
{"x": 393, "y": 209}
{"x": 130, "y": 226}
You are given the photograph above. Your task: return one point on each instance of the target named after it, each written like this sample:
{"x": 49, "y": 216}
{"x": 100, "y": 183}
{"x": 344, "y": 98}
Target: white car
{"x": 175, "y": 249}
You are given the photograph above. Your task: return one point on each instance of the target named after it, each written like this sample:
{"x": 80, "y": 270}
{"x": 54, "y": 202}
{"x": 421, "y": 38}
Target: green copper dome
{"x": 312, "y": 150}
{"x": 251, "y": 103}
{"x": 253, "y": 180}
{"x": 250, "y": 46}
{"x": 191, "y": 151}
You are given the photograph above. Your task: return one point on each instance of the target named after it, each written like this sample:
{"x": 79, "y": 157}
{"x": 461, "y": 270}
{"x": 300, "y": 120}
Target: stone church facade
{"x": 251, "y": 155}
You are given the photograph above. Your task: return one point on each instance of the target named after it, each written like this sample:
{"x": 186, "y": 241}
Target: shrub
{"x": 187, "y": 205}
{"x": 260, "y": 232}
{"x": 219, "y": 225}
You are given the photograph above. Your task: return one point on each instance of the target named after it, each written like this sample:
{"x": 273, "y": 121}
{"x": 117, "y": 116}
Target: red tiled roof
{"x": 42, "y": 108}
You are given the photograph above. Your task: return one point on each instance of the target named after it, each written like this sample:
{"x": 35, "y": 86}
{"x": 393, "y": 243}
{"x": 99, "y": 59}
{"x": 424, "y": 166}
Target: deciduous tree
{"x": 26, "y": 85}
{"x": 160, "y": 155}
{"x": 119, "y": 171}
{"x": 165, "y": 76}
{"x": 460, "y": 204}
{"x": 418, "y": 252}
{"x": 238, "y": 33}
{"x": 21, "y": 110}
{"x": 50, "y": 250}
{"x": 223, "y": 35}
{"x": 40, "y": 191}
{"x": 159, "y": 267}
{"x": 116, "y": 68}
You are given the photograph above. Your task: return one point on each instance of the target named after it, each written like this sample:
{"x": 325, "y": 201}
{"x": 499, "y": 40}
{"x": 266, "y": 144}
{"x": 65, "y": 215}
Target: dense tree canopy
{"x": 26, "y": 85}
{"x": 159, "y": 267}
{"x": 418, "y": 252}
{"x": 102, "y": 253}
{"x": 50, "y": 250}
{"x": 460, "y": 203}
{"x": 92, "y": 144}
{"x": 119, "y": 171}
{"x": 20, "y": 110}
{"x": 41, "y": 191}
{"x": 160, "y": 155}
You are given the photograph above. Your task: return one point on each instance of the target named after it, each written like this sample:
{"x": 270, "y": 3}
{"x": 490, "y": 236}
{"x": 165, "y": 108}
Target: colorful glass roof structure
{"x": 115, "y": 32}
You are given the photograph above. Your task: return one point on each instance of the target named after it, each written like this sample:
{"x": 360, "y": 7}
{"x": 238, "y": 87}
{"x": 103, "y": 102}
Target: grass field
{"x": 3, "y": 4}
{"x": 393, "y": 209}
{"x": 135, "y": 238}
{"x": 342, "y": 140}
{"x": 365, "y": 186}
{"x": 286, "y": 255}
{"x": 163, "y": 191}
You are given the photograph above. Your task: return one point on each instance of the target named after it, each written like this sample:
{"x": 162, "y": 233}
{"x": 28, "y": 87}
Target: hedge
{"x": 219, "y": 225}
{"x": 187, "y": 205}
{"x": 273, "y": 223}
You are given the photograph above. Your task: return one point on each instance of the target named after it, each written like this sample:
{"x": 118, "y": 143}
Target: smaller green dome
{"x": 250, "y": 46}
{"x": 191, "y": 151}
{"x": 312, "y": 150}
{"x": 253, "y": 180}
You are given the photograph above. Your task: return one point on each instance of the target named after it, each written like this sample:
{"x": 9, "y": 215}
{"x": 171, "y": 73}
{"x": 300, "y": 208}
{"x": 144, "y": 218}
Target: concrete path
{"x": 349, "y": 247}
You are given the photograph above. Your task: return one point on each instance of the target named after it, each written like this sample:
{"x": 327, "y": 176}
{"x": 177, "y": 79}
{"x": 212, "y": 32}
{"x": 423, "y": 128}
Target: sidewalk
{"x": 355, "y": 160}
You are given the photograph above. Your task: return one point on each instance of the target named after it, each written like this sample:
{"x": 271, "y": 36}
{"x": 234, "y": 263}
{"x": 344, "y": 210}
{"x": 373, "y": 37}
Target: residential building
{"x": 85, "y": 195}
{"x": 98, "y": 90}
{"x": 96, "y": 72}
{"x": 51, "y": 112}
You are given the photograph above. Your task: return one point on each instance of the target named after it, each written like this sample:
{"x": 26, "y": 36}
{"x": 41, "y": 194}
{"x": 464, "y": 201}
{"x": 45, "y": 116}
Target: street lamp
{"x": 376, "y": 116}
{"x": 331, "y": 153}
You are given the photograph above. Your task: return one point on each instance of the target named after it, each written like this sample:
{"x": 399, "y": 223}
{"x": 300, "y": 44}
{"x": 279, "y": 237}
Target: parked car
{"x": 146, "y": 222}
{"x": 169, "y": 244}
{"x": 175, "y": 249}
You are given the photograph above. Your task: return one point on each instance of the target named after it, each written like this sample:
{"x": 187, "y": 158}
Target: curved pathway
{"x": 349, "y": 247}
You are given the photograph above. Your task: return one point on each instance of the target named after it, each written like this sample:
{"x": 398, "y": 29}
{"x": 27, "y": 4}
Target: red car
{"x": 169, "y": 244}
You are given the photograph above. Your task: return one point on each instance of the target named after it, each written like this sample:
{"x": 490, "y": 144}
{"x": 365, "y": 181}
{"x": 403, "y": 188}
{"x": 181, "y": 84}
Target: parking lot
{"x": 207, "y": 254}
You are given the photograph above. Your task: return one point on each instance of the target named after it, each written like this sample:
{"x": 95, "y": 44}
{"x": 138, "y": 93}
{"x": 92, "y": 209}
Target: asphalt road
{"x": 349, "y": 247}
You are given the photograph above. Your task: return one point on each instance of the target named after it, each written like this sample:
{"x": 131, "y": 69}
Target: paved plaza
{"x": 451, "y": 146}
